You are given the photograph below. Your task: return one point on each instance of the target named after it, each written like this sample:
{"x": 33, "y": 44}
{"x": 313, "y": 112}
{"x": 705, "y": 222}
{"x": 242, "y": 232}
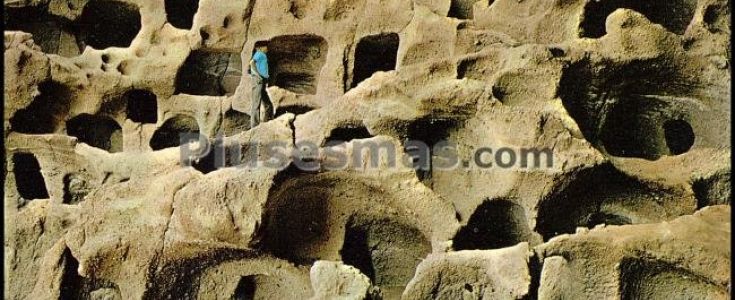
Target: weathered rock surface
{"x": 564, "y": 115}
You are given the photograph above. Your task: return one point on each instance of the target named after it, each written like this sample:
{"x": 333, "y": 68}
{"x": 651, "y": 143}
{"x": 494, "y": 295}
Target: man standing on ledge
{"x": 259, "y": 75}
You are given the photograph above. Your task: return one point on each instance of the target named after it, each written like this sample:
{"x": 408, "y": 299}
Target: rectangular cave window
{"x": 296, "y": 61}
{"x": 28, "y": 177}
{"x": 375, "y": 53}
{"x": 209, "y": 73}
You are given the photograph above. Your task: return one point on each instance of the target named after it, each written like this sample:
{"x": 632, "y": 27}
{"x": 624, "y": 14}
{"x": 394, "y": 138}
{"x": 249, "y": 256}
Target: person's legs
{"x": 256, "y": 97}
{"x": 267, "y": 105}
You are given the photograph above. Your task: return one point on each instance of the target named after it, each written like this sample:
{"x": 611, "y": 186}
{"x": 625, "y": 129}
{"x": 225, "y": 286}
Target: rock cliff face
{"x": 589, "y": 144}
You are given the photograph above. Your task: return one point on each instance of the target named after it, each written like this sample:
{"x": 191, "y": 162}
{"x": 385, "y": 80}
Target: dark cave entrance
{"x": 679, "y": 136}
{"x": 674, "y": 15}
{"x": 204, "y": 73}
{"x": 462, "y": 9}
{"x": 46, "y": 112}
{"x": 142, "y": 106}
{"x": 180, "y": 13}
{"x": 171, "y": 133}
{"x": 296, "y": 61}
{"x": 385, "y": 250}
{"x": 374, "y": 53}
{"x": 107, "y": 23}
{"x": 621, "y": 108}
{"x": 260, "y": 287}
{"x": 345, "y": 134}
{"x": 96, "y": 131}
{"x": 494, "y": 224}
{"x": 28, "y": 178}
{"x": 74, "y": 286}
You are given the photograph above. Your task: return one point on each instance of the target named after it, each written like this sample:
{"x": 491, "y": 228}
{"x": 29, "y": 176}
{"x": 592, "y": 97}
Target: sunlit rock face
{"x": 457, "y": 149}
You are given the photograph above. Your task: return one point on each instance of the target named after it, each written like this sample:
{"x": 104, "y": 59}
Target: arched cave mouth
{"x": 96, "y": 131}
{"x": 29, "y": 180}
{"x": 374, "y": 53}
{"x": 174, "y": 131}
{"x": 106, "y": 23}
{"x": 679, "y": 136}
{"x": 385, "y": 249}
{"x": 261, "y": 287}
{"x": 494, "y": 224}
{"x": 674, "y": 15}
{"x": 296, "y": 62}
{"x": 297, "y": 220}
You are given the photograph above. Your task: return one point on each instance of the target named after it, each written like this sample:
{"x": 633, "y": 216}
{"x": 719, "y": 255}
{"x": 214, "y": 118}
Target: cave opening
{"x": 494, "y": 224}
{"x": 175, "y": 131}
{"x": 462, "y": 9}
{"x": 142, "y": 106}
{"x": 679, "y": 136}
{"x": 180, "y": 13}
{"x": 108, "y": 23}
{"x": 206, "y": 73}
{"x": 28, "y": 178}
{"x": 46, "y": 112}
{"x": 297, "y": 221}
{"x": 96, "y": 131}
{"x": 384, "y": 249}
{"x": 261, "y": 287}
{"x": 375, "y": 53}
{"x": 294, "y": 109}
{"x": 674, "y": 15}
{"x": 296, "y": 62}
{"x": 592, "y": 197}
{"x": 620, "y": 109}
{"x": 74, "y": 286}
{"x": 347, "y": 133}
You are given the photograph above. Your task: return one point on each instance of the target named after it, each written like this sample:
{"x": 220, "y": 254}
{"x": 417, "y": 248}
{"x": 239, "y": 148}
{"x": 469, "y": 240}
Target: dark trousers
{"x": 259, "y": 96}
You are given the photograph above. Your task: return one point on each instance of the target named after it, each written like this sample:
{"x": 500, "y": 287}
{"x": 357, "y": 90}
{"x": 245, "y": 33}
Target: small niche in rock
{"x": 589, "y": 199}
{"x": 261, "y": 287}
{"x": 96, "y": 131}
{"x": 385, "y": 250}
{"x": 74, "y": 286}
{"x": 180, "y": 13}
{"x": 142, "y": 106}
{"x": 46, "y": 112}
{"x": 347, "y": 134}
{"x": 674, "y": 15}
{"x": 375, "y": 53}
{"x": 107, "y": 23}
{"x": 294, "y": 109}
{"x": 204, "y": 73}
{"x": 296, "y": 61}
{"x": 75, "y": 188}
{"x": 28, "y": 178}
{"x": 679, "y": 136}
{"x": 494, "y": 224}
{"x": 462, "y": 9}
{"x": 173, "y": 130}
{"x": 714, "y": 190}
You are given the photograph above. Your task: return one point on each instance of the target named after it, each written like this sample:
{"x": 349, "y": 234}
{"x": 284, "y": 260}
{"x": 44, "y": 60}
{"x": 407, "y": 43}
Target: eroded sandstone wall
{"x": 631, "y": 98}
